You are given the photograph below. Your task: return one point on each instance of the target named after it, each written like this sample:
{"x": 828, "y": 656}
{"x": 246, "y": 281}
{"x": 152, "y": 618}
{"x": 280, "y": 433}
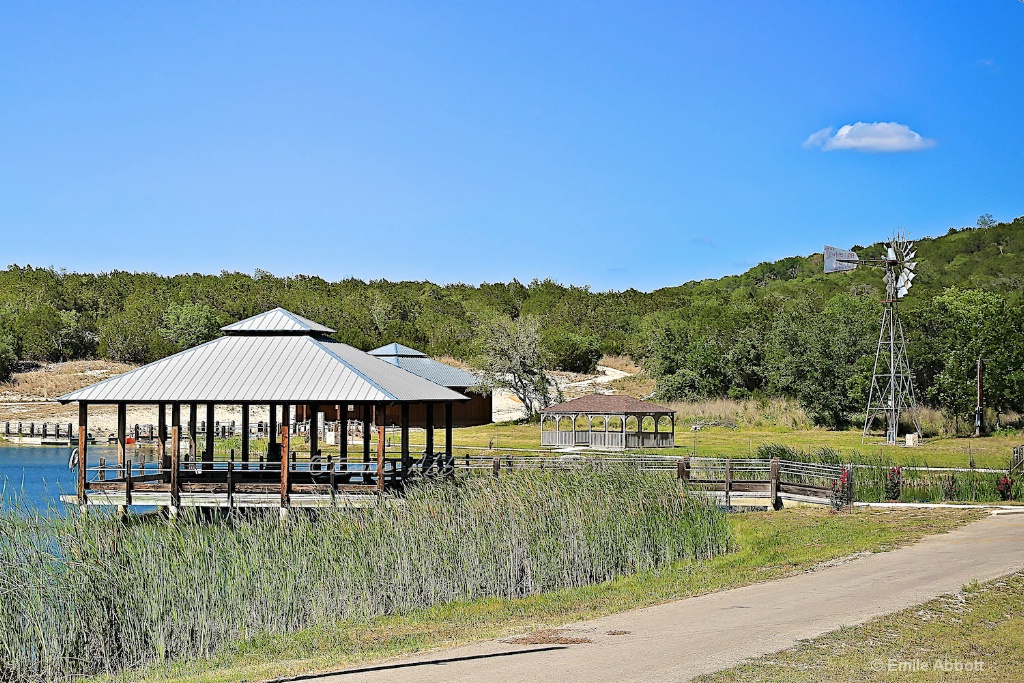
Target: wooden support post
{"x": 175, "y": 453}
{"x": 285, "y": 460}
{"x": 83, "y": 449}
{"x": 851, "y": 486}
{"x": 193, "y": 430}
{"x": 430, "y": 431}
{"x": 680, "y": 470}
{"x": 161, "y": 435}
{"x": 405, "y": 439}
{"x": 314, "y": 430}
{"x": 449, "y": 460}
{"x": 331, "y": 475}
{"x": 103, "y": 468}
{"x": 273, "y": 430}
{"x": 773, "y": 484}
{"x": 366, "y": 434}
{"x": 245, "y": 436}
{"x": 231, "y": 479}
{"x": 211, "y": 436}
{"x": 122, "y": 419}
{"x": 343, "y": 432}
{"x": 128, "y": 482}
{"x": 728, "y": 481}
{"x": 496, "y": 465}
{"x": 380, "y": 458}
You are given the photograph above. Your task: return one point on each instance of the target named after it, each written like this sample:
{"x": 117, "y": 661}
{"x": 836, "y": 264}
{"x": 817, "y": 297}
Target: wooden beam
{"x": 175, "y": 451}
{"x": 245, "y": 436}
{"x": 447, "y": 433}
{"x": 161, "y": 435}
{"x": 405, "y": 439}
{"x": 314, "y": 429}
{"x": 122, "y": 420}
{"x": 285, "y": 460}
{"x": 380, "y": 448}
{"x": 211, "y": 436}
{"x": 272, "y": 428}
{"x": 193, "y": 430}
{"x": 430, "y": 429}
{"x": 366, "y": 433}
{"x": 343, "y": 422}
{"x": 83, "y": 449}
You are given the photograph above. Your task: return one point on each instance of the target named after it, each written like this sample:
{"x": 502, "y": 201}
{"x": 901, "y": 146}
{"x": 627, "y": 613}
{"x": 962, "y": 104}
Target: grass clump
{"x": 90, "y": 594}
{"x": 970, "y": 635}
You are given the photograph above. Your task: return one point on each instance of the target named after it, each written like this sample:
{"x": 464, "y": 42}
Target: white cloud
{"x": 870, "y": 137}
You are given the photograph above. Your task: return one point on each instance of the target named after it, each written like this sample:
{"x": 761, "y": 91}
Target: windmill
{"x": 892, "y": 385}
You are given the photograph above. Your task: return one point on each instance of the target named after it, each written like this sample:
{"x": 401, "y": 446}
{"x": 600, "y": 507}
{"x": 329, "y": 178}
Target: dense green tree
{"x": 189, "y": 324}
{"x": 823, "y": 356}
{"x": 8, "y": 357}
{"x": 566, "y": 350}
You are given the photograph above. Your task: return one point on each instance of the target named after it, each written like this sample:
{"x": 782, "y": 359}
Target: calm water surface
{"x": 40, "y": 474}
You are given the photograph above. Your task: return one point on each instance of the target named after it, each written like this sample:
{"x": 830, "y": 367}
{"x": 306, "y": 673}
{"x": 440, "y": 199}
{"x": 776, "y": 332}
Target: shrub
{"x": 894, "y": 483}
{"x": 1005, "y": 487}
{"x": 842, "y": 495}
{"x": 950, "y": 487}
{"x": 570, "y": 351}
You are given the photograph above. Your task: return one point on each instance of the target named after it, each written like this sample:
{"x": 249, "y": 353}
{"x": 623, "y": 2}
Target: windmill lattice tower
{"x": 892, "y": 384}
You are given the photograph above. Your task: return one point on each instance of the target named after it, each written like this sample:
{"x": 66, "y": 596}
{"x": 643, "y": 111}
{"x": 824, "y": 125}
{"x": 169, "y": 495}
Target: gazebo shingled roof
{"x": 607, "y": 404}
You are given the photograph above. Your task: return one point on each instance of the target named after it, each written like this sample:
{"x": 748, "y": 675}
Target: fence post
{"x": 728, "y": 482}
{"x": 128, "y": 482}
{"x": 496, "y": 465}
{"x": 773, "y": 486}
{"x": 851, "y": 487}
{"x": 230, "y": 480}
{"x": 103, "y": 469}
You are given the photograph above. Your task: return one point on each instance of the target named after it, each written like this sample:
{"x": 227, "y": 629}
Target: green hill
{"x": 781, "y": 328}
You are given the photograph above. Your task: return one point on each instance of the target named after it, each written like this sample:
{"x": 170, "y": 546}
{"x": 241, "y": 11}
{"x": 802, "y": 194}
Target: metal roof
{"x": 266, "y": 368}
{"x": 396, "y": 349}
{"x": 276, "y": 321}
{"x": 435, "y": 371}
{"x": 418, "y": 363}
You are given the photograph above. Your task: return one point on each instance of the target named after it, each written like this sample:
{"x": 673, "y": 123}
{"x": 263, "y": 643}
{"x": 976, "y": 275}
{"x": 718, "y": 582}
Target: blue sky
{"x": 611, "y": 144}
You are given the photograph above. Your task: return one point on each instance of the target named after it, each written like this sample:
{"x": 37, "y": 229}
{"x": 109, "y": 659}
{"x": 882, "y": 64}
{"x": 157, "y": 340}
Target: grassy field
{"x": 767, "y": 546}
{"x": 989, "y": 451}
{"x": 978, "y": 629}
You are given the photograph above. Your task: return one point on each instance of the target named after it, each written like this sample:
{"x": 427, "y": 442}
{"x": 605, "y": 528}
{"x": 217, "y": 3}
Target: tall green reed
{"x": 91, "y": 593}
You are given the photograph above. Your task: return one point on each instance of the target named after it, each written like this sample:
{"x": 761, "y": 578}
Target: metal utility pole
{"x": 979, "y": 410}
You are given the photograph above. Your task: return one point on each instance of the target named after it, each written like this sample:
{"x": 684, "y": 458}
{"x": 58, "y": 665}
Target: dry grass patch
{"x": 623, "y": 363}
{"x": 638, "y": 386}
{"x": 56, "y": 379}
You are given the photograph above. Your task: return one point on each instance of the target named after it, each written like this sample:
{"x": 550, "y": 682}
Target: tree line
{"x": 782, "y": 328}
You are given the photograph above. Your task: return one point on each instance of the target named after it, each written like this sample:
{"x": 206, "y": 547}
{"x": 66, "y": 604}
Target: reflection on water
{"x": 40, "y": 474}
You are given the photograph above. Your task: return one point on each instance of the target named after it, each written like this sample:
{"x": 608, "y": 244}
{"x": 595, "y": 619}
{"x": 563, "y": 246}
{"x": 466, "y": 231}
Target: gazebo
{"x": 279, "y": 360}
{"x": 607, "y": 421}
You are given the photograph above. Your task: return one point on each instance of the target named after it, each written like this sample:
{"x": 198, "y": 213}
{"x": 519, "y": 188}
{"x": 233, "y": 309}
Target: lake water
{"x": 41, "y": 474}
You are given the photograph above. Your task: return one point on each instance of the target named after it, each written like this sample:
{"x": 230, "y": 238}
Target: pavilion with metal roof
{"x": 276, "y": 359}
{"x": 608, "y": 421}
